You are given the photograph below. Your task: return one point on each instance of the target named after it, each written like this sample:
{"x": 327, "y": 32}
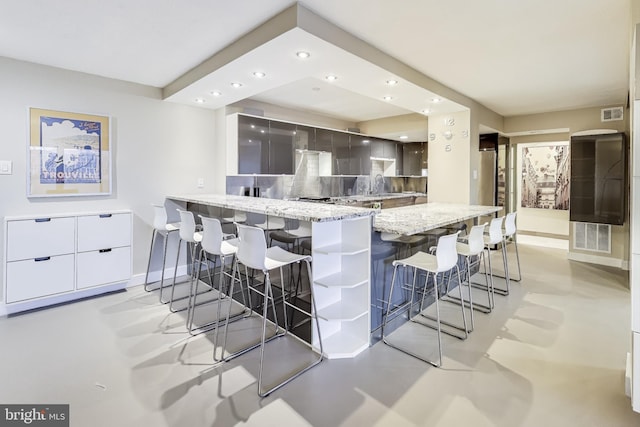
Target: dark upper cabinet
{"x": 305, "y": 138}
{"x": 269, "y": 147}
{"x": 360, "y": 160}
{"x": 340, "y": 153}
{"x": 281, "y": 147}
{"x": 253, "y": 145}
{"x": 377, "y": 147}
{"x": 598, "y": 179}
{"x": 324, "y": 140}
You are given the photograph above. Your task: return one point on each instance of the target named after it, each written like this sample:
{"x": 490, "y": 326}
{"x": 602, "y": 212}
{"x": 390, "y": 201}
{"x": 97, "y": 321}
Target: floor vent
{"x": 611, "y": 114}
{"x": 592, "y": 237}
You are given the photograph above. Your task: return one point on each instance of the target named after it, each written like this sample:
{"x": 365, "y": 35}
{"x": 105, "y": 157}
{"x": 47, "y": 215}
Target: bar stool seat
{"x": 162, "y": 228}
{"x": 253, "y": 253}
{"x": 444, "y": 260}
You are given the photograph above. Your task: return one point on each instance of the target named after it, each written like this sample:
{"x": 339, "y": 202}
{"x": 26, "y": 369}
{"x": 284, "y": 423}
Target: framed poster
{"x": 69, "y": 154}
{"x": 545, "y": 176}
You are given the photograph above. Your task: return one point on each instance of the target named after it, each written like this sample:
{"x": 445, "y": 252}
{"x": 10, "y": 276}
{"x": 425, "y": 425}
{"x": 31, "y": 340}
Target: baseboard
{"x": 136, "y": 280}
{"x": 53, "y": 300}
{"x": 154, "y": 276}
{"x": 627, "y": 376}
{"x": 600, "y": 260}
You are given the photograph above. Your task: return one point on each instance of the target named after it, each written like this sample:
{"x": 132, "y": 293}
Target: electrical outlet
{"x": 200, "y": 182}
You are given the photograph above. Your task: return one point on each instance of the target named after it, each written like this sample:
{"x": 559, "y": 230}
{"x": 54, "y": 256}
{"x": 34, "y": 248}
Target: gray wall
{"x": 160, "y": 148}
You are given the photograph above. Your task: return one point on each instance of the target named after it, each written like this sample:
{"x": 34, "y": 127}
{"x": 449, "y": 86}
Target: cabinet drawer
{"x": 103, "y": 267}
{"x": 103, "y": 231}
{"x": 34, "y": 278}
{"x": 33, "y": 238}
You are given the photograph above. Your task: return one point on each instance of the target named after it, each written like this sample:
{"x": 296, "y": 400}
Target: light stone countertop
{"x": 304, "y": 211}
{"x": 409, "y": 220}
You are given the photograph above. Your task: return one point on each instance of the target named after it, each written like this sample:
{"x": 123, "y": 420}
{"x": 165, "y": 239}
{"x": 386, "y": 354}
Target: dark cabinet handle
{"x": 43, "y": 219}
{"x": 105, "y": 215}
{"x": 44, "y": 258}
{"x": 104, "y": 250}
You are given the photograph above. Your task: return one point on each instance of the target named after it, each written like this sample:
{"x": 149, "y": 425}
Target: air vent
{"x": 611, "y": 114}
{"x": 592, "y": 237}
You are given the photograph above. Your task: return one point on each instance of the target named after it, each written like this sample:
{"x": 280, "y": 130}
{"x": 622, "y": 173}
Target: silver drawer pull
{"x": 43, "y": 219}
{"x": 104, "y": 250}
{"x": 44, "y": 258}
{"x": 105, "y": 215}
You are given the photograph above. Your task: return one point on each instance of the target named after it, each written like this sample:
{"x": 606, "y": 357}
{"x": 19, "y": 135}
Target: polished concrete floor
{"x": 551, "y": 354}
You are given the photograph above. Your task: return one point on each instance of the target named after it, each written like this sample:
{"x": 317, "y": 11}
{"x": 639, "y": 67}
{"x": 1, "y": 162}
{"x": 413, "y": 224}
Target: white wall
{"x": 449, "y": 159}
{"x": 159, "y": 148}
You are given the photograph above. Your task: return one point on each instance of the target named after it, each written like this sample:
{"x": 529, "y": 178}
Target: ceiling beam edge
{"x": 320, "y": 27}
{"x": 274, "y": 27}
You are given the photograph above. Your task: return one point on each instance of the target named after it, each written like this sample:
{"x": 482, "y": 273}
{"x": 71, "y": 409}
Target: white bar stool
{"x": 510, "y": 235}
{"x": 253, "y": 253}
{"x": 222, "y": 247}
{"x": 494, "y": 238}
{"x": 445, "y": 259}
{"x": 271, "y": 223}
{"x": 474, "y": 250}
{"x": 161, "y": 227}
{"x": 292, "y": 236}
{"x": 192, "y": 238}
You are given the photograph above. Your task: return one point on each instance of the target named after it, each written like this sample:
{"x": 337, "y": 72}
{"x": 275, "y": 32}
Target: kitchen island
{"x": 345, "y": 247}
{"x": 341, "y": 245}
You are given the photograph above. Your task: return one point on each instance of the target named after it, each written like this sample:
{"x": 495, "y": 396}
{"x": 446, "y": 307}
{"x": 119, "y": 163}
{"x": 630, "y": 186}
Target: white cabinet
{"x": 26, "y": 237}
{"x": 64, "y": 257}
{"x": 341, "y": 276}
{"x": 104, "y": 231}
{"x": 39, "y": 277}
{"x": 103, "y": 266}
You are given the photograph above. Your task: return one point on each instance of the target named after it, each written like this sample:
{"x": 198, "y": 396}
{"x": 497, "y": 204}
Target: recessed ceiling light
{"x": 302, "y": 54}
{"x": 259, "y": 74}
{"x": 216, "y": 93}
{"x": 253, "y": 126}
{"x": 236, "y": 85}
{"x": 425, "y": 111}
{"x": 392, "y": 82}
{"x": 404, "y": 137}
{"x": 200, "y": 100}
{"x": 261, "y": 130}
{"x": 387, "y": 98}
{"x": 436, "y": 100}
{"x": 365, "y": 141}
{"x": 331, "y": 78}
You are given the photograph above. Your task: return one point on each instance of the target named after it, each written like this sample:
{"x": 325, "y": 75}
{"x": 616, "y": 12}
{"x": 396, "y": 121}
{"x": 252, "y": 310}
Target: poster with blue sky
{"x": 70, "y": 151}
{"x": 69, "y": 154}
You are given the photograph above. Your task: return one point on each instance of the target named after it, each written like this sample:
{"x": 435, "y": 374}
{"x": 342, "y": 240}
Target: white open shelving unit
{"x": 341, "y": 277}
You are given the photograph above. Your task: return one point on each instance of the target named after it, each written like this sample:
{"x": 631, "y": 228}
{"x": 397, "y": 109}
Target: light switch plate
{"x": 6, "y": 167}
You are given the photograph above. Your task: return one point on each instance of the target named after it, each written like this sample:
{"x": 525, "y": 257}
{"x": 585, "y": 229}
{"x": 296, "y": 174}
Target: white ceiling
{"x": 514, "y": 57}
